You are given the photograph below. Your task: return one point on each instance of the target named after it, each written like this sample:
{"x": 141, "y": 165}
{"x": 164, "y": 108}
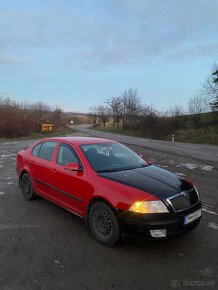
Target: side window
{"x": 36, "y": 149}
{"x": 47, "y": 149}
{"x": 66, "y": 154}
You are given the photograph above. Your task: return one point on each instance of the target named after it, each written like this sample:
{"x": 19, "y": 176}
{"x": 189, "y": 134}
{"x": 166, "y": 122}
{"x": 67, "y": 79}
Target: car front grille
{"x": 184, "y": 200}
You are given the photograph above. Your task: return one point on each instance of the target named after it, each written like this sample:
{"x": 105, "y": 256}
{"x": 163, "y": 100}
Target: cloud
{"x": 25, "y": 29}
{"x": 11, "y": 59}
{"x": 139, "y": 32}
{"x": 112, "y": 33}
{"x": 193, "y": 52}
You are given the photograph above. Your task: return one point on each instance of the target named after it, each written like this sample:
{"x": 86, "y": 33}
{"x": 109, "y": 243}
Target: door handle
{"x": 31, "y": 161}
{"x": 53, "y": 170}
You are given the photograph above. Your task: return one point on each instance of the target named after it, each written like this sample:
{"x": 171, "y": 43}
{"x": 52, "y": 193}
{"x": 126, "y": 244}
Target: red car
{"x": 109, "y": 186}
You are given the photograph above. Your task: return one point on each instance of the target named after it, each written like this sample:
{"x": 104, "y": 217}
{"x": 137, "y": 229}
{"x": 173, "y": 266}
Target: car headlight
{"x": 153, "y": 206}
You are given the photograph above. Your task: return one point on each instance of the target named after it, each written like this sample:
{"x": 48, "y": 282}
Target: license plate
{"x": 192, "y": 217}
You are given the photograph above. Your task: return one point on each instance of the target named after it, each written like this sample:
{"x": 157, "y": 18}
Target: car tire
{"x": 103, "y": 224}
{"x": 27, "y": 187}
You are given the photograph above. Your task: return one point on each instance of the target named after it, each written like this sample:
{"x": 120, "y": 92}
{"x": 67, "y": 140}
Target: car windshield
{"x": 109, "y": 157}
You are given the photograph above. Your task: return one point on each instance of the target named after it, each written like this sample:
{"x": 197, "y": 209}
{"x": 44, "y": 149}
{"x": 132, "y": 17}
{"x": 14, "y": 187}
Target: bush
{"x": 20, "y": 119}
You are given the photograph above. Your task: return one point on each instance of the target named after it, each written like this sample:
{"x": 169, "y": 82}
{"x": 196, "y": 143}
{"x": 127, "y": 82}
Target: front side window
{"x": 66, "y": 154}
{"x": 47, "y": 149}
{"x": 111, "y": 157}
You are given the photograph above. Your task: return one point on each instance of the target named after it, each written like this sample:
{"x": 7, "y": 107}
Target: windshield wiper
{"x": 141, "y": 166}
{"x": 108, "y": 170}
{"x": 120, "y": 169}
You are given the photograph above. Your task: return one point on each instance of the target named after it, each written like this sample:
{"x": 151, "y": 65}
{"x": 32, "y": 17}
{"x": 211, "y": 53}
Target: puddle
{"x": 207, "y": 208}
{"x": 9, "y": 143}
{"x": 207, "y": 168}
{"x": 213, "y": 226}
{"x": 191, "y": 166}
{"x": 7, "y": 155}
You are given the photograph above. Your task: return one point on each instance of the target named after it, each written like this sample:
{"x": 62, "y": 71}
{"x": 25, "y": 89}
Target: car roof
{"x": 79, "y": 140}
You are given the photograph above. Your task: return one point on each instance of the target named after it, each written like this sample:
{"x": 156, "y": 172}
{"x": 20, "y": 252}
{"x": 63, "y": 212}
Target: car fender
{"x": 25, "y": 169}
{"x": 96, "y": 198}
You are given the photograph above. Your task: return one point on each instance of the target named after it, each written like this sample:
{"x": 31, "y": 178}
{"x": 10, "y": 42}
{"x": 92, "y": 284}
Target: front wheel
{"x": 27, "y": 187}
{"x": 103, "y": 224}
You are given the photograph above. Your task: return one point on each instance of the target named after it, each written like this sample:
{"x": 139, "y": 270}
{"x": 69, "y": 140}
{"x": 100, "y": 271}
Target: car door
{"x": 69, "y": 188}
{"x": 41, "y": 167}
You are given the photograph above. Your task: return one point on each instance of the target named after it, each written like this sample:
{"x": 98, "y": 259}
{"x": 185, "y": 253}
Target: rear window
{"x": 36, "y": 149}
{"x": 46, "y": 151}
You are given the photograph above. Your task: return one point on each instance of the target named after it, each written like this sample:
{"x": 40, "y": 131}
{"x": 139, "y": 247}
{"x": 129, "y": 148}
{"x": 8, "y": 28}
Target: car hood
{"x": 151, "y": 179}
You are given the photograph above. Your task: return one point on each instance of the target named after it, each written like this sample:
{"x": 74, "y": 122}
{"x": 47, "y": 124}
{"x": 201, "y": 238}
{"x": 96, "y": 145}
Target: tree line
{"x": 21, "y": 119}
{"x": 127, "y": 112}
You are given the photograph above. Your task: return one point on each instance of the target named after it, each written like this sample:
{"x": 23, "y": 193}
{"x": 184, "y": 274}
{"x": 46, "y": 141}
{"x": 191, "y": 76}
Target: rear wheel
{"x": 27, "y": 187}
{"x": 103, "y": 224}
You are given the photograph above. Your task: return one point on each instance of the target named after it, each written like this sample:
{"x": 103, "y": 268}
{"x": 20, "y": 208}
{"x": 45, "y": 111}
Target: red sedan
{"x": 109, "y": 186}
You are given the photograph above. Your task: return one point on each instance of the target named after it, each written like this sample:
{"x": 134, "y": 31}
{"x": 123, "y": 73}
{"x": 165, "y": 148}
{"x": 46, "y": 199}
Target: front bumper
{"x": 140, "y": 224}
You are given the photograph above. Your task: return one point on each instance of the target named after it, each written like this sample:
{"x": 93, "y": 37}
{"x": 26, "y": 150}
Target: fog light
{"x": 158, "y": 233}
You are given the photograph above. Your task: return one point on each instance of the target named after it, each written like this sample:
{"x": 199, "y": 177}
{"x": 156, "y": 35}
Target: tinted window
{"x": 66, "y": 154}
{"x": 47, "y": 150}
{"x": 36, "y": 149}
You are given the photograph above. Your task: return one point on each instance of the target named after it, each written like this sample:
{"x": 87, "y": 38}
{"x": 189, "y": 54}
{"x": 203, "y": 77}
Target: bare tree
{"x": 197, "y": 104}
{"x": 58, "y": 119}
{"x": 93, "y": 115}
{"x": 116, "y": 106}
{"x": 131, "y": 107}
{"x": 103, "y": 113}
{"x": 176, "y": 110}
{"x": 40, "y": 113}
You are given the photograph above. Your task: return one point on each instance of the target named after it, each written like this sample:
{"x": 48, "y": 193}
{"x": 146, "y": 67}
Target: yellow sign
{"x": 47, "y": 127}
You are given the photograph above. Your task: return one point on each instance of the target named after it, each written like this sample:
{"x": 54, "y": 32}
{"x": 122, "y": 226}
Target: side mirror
{"x": 72, "y": 167}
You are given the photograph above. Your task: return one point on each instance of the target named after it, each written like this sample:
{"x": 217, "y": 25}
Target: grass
{"x": 64, "y": 132}
{"x": 208, "y": 135}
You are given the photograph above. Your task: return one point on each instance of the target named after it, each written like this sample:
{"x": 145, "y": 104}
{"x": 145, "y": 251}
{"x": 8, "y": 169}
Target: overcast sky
{"x": 75, "y": 54}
